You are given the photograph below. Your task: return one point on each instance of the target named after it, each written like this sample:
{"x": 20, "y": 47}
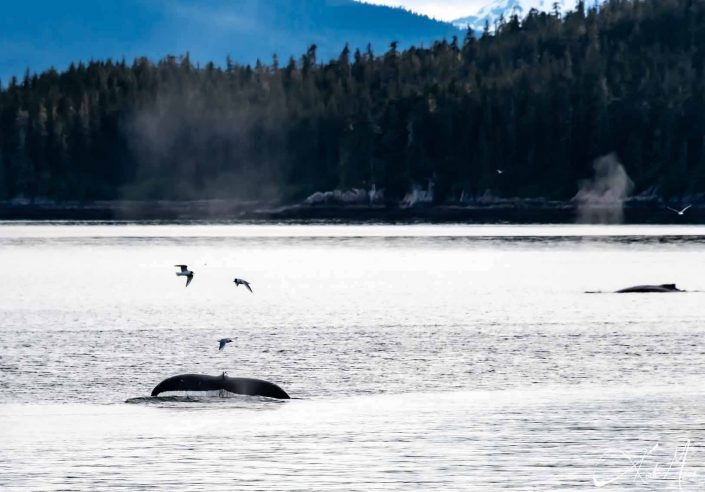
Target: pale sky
{"x": 439, "y": 9}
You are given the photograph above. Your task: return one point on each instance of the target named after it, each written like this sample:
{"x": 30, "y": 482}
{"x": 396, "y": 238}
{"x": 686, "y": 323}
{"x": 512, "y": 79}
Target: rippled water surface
{"x": 420, "y": 357}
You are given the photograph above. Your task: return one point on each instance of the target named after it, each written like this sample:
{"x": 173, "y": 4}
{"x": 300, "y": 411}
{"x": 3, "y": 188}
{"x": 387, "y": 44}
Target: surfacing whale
{"x": 240, "y": 386}
{"x": 650, "y": 288}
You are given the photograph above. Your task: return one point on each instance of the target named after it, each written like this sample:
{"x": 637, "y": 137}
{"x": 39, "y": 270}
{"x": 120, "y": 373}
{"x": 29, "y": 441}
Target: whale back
{"x": 201, "y": 382}
{"x": 651, "y": 288}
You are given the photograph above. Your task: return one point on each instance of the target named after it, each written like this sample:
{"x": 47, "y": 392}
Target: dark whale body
{"x": 240, "y": 386}
{"x": 651, "y": 288}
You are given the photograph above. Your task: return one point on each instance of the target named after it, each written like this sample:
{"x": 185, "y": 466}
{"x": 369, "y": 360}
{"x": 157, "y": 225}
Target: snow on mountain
{"x": 496, "y": 8}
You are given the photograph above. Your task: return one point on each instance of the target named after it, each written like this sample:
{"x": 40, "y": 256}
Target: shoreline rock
{"x": 498, "y": 210}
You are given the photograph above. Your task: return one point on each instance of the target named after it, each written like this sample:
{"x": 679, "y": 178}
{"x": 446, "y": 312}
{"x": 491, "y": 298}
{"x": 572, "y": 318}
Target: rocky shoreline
{"x": 499, "y": 211}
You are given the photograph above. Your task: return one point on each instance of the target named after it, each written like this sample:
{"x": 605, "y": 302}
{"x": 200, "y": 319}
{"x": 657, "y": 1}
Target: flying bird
{"x": 500, "y": 171}
{"x": 223, "y": 342}
{"x": 185, "y": 272}
{"x": 239, "y": 281}
{"x": 679, "y": 212}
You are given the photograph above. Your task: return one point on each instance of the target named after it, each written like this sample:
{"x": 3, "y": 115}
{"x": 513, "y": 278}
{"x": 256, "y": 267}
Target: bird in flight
{"x": 185, "y": 272}
{"x": 223, "y": 342}
{"x": 679, "y": 212}
{"x": 500, "y": 171}
{"x": 239, "y": 281}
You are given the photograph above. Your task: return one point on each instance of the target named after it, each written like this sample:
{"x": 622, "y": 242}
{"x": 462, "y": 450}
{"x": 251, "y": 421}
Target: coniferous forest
{"x": 539, "y": 97}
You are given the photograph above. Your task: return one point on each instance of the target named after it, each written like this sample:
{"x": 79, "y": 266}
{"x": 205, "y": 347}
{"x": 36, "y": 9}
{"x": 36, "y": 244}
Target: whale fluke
{"x": 650, "y": 288}
{"x": 240, "y": 386}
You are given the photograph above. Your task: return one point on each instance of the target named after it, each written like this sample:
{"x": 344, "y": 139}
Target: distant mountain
{"x": 39, "y": 34}
{"x": 496, "y": 8}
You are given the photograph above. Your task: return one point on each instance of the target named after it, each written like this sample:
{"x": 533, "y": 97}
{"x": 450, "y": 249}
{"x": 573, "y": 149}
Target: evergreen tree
{"x": 539, "y": 97}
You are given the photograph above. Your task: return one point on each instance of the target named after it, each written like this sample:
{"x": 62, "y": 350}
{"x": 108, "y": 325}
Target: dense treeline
{"x": 540, "y": 98}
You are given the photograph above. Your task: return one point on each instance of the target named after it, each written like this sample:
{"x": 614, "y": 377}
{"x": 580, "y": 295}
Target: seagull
{"x": 185, "y": 272}
{"x": 223, "y": 342}
{"x": 239, "y": 281}
{"x": 499, "y": 171}
{"x": 679, "y": 212}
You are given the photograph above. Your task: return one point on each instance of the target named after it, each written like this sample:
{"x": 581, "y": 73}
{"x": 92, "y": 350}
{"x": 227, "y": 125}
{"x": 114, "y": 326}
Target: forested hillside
{"x": 540, "y": 99}
{"x": 40, "y": 34}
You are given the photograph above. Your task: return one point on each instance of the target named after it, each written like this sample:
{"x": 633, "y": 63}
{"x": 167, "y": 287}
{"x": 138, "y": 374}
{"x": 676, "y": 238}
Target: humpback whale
{"x": 651, "y": 288}
{"x": 240, "y": 386}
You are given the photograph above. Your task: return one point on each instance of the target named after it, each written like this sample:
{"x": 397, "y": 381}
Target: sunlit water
{"x": 420, "y": 357}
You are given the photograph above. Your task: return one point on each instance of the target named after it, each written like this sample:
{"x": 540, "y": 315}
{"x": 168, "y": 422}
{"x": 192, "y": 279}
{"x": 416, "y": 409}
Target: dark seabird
{"x": 223, "y": 342}
{"x": 239, "y": 281}
{"x": 185, "y": 272}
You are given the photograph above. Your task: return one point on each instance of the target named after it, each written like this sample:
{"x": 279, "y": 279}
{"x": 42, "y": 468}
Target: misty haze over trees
{"x": 540, "y": 99}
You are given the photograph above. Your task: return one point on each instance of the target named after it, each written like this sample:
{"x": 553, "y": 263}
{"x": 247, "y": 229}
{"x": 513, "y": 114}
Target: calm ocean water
{"x": 420, "y": 357}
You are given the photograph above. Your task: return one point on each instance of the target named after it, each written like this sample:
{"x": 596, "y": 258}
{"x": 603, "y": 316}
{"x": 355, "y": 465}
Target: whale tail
{"x": 239, "y": 386}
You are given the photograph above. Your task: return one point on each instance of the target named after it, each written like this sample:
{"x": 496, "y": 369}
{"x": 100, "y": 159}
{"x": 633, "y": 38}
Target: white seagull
{"x": 679, "y": 212}
{"x": 239, "y": 281}
{"x": 185, "y": 272}
{"x": 499, "y": 171}
{"x": 223, "y": 342}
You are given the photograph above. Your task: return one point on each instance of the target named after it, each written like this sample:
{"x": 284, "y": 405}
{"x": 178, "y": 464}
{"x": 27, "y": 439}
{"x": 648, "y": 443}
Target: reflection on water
{"x": 444, "y": 357}
{"x": 206, "y": 400}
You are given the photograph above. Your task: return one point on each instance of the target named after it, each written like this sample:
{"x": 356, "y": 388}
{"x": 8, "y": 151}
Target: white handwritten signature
{"x": 643, "y": 470}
